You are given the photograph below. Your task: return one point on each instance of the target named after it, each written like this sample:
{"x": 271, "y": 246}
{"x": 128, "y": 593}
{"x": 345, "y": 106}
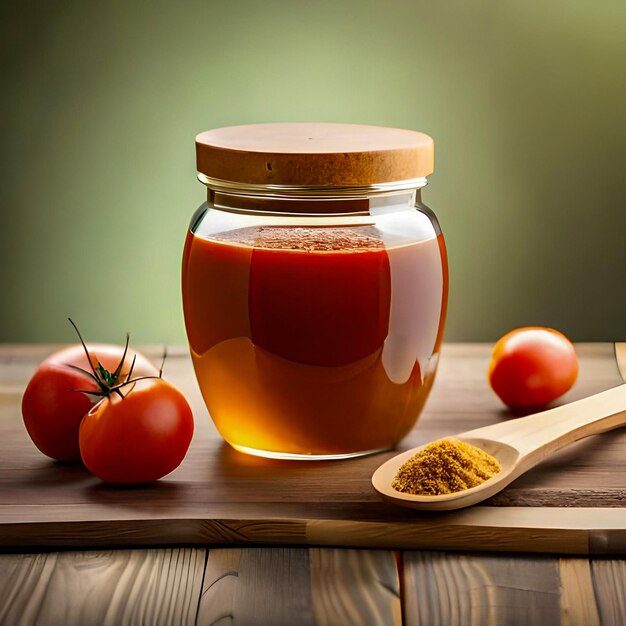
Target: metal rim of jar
{"x": 305, "y": 191}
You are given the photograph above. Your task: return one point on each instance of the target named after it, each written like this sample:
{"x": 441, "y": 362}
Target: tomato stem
{"x": 93, "y": 369}
{"x": 109, "y": 382}
{"x": 118, "y": 369}
{"x": 163, "y": 361}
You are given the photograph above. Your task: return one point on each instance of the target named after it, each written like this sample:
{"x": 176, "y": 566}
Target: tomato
{"x": 138, "y": 438}
{"x": 532, "y": 366}
{"x": 52, "y": 411}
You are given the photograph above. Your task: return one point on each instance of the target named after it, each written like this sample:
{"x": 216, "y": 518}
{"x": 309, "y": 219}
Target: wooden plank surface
{"x": 358, "y": 587}
{"x": 300, "y": 586}
{"x": 158, "y": 587}
{"x": 573, "y": 502}
{"x": 578, "y": 603}
{"x": 467, "y": 589}
{"x": 609, "y": 584}
{"x": 453, "y": 589}
{"x": 316, "y": 586}
{"x": 256, "y": 586}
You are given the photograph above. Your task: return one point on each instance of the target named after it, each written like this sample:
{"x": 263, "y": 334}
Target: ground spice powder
{"x": 445, "y": 466}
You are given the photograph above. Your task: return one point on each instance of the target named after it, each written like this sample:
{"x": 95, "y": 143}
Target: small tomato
{"x": 532, "y": 366}
{"x": 137, "y": 438}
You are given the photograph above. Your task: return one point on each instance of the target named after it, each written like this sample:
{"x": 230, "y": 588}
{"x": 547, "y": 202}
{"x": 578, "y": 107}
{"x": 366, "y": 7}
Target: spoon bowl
{"x": 506, "y": 455}
{"x": 518, "y": 444}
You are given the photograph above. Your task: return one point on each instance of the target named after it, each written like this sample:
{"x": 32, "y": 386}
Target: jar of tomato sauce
{"x": 314, "y": 287}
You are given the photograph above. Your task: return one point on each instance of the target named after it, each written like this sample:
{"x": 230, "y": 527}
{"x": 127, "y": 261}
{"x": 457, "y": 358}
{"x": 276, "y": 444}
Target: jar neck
{"x": 309, "y": 191}
{"x": 259, "y": 199}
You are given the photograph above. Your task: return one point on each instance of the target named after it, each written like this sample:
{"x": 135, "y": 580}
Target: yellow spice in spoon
{"x": 445, "y": 466}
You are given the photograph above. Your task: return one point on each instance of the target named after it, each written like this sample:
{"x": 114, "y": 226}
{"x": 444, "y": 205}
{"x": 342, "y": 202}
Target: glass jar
{"x": 314, "y": 287}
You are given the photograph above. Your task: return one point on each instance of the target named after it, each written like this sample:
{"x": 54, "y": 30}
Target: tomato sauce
{"x": 313, "y": 341}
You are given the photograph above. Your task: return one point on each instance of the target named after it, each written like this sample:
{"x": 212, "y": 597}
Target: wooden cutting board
{"x": 572, "y": 503}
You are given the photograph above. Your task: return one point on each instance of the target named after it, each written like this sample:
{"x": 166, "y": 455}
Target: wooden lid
{"x": 314, "y": 154}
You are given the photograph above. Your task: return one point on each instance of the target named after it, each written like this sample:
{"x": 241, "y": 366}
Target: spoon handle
{"x": 538, "y": 435}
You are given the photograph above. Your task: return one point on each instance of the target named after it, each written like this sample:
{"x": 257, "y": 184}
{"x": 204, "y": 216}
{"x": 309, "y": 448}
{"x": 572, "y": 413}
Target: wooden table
{"x": 244, "y": 584}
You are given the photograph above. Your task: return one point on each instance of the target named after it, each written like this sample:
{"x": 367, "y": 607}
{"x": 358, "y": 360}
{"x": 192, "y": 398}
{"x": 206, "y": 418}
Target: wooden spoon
{"x": 519, "y": 444}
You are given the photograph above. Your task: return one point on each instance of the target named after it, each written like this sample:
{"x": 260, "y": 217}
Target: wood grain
{"x": 357, "y": 587}
{"x": 219, "y": 496}
{"x": 609, "y": 583}
{"x": 219, "y": 588}
{"x": 578, "y": 601}
{"x": 515, "y": 529}
{"x": 256, "y": 586}
{"x": 462, "y": 590}
{"x": 108, "y": 588}
{"x": 459, "y": 589}
{"x": 325, "y": 587}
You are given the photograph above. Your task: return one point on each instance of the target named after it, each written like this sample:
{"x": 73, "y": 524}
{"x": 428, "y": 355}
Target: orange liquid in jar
{"x": 313, "y": 341}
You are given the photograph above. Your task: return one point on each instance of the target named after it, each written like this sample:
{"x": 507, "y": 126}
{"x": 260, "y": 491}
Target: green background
{"x": 101, "y": 101}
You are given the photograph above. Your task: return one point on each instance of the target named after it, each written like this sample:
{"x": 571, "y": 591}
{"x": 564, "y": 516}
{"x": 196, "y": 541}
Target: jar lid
{"x": 314, "y": 154}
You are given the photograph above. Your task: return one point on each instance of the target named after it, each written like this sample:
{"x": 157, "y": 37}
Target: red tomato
{"x": 52, "y": 412}
{"x": 138, "y": 438}
{"x": 532, "y": 366}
